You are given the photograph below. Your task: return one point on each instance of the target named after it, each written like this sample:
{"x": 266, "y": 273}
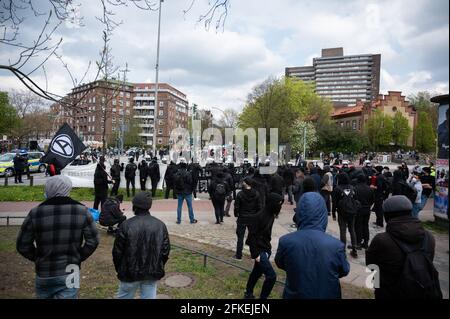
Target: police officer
{"x": 130, "y": 176}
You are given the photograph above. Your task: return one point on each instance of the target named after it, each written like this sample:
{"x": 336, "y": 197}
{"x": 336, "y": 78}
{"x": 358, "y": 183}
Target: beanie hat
{"x": 142, "y": 200}
{"x": 397, "y": 205}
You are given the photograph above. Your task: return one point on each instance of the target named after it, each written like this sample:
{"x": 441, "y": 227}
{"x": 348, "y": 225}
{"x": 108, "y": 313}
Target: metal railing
{"x": 201, "y": 253}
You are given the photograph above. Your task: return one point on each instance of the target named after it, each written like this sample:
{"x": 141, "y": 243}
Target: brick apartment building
{"x": 124, "y": 102}
{"x": 354, "y": 118}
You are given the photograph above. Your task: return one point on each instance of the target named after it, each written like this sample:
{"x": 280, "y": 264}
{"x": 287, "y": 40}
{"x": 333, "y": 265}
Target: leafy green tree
{"x": 422, "y": 103}
{"x": 334, "y": 138}
{"x": 425, "y": 134}
{"x": 9, "y": 120}
{"x": 400, "y": 130}
{"x": 298, "y": 139}
{"x": 379, "y": 130}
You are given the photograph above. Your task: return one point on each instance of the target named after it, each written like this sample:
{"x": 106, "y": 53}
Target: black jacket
{"x": 276, "y": 184}
{"x": 115, "y": 171}
{"x": 182, "y": 181}
{"x": 365, "y": 196}
{"x": 100, "y": 181}
{"x": 385, "y": 253}
{"x": 143, "y": 170}
{"x": 153, "y": 171}
{"x": 260, "y": 234}
{"x": 247, "y": 205}
{"x": 111, "y": 213}
{"x": 141, "y": 249}
{"x": 20, "y": 163}
{"x": 220, "y": 179}
{"x": 288, "y": 176}
{"x": 130, "y": 171}
{"x": 170, "y": 171}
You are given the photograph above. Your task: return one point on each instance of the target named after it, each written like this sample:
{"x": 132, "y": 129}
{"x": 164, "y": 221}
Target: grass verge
{"x": 434, "y": 227}
{"x": 36, "y": 193}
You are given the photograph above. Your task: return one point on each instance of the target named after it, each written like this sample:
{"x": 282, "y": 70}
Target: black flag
{"x": 64, "y": 147}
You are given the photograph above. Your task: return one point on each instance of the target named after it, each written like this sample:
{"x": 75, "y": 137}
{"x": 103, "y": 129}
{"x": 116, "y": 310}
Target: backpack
{"x": 348, "y": 204}
{"x": 181, "y": 179}
{"x": 409, "y": 191}
{"x": 220, "y": 190}
{"x": 110, "y": 208}
{"x": 419, "y": 278}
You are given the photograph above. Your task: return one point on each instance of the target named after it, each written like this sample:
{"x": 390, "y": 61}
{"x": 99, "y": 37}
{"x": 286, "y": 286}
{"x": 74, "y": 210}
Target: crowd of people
{"x": 312, "y": 259}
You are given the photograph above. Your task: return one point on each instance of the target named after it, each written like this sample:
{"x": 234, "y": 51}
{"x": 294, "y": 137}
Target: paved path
{"x": 205, "y": 231}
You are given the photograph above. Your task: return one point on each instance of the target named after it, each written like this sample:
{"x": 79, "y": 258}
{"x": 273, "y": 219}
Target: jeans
{"x": 127, "y": 290}
{"x": 423, "y": 201}
{"x": 362, "y": 229}
{"x": 218, "y": 209}
{"x": 188, "y": 198}
{"x": 240, "y": 232}
{"x": 344, "y": 223}
{"x": 54, "y": 288}
{"x": 288, "y": 190}
{"x": 259, "y": 268}
{"x": 416, "y": 209}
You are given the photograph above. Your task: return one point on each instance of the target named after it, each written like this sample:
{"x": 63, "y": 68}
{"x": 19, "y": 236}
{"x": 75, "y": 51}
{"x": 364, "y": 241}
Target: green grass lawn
{"x": 434, "y": 227}
{"x": 36, "y": 193}
{"x": 98, "y": 277}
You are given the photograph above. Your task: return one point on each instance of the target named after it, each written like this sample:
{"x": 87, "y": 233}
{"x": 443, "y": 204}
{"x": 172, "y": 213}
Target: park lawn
{"x": 435, "y": 227}
{"x": 36, "y": 194}
{"x": 98, "y": 277}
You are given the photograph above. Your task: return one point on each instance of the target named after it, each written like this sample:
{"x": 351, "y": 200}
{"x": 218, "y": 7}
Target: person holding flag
{"x": 101, "y": 181}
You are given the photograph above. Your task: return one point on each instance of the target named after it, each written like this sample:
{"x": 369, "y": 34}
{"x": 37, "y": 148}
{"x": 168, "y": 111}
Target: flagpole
{"x": 156, "y": 80}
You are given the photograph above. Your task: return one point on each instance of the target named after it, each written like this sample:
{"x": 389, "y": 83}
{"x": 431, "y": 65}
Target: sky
{"x": 217, "y": 69}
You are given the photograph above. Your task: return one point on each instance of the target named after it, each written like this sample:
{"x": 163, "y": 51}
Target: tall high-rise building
{"x": 342, "y": 78}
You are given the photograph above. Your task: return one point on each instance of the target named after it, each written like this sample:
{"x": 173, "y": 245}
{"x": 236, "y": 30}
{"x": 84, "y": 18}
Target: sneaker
{"x": 194, "y": 221}
{"x": 354, "y": 254}
{"x": 217, "y": 223}
{"x": 237, "y": 258}
{"x": 178, "y": 222}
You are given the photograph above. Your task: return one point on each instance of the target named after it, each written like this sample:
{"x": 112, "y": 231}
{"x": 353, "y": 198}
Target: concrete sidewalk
{"x": 205, "y": 231}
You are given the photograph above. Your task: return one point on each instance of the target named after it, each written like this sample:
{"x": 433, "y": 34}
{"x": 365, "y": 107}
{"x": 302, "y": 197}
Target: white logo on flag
{"x": 63, "y": 146}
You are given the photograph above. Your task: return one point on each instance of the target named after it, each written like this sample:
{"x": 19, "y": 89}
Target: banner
{"x": 64, "y": 147}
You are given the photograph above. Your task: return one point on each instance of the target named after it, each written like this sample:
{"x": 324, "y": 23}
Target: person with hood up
{"x": 389, "y": 252}
{"x": 260, "y": 248}
{"x": 168, "y": 179}
{"x": 313, "y": 260}
{"x": 246, "y": 206}
{"x": 218, "y": 190}
{"x": 58, "y": 233}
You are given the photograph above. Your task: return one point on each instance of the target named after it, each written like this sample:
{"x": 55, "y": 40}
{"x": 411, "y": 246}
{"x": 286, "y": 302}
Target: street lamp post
{"x": 156, "y": 80}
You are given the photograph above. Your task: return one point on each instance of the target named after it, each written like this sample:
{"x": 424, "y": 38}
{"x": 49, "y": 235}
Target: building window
{"x": 114, "y": 102}
{"x": 127, "y": 103}
{"x": 160, "y": 131}
{"x": 342, "y": 124}
{"x": 161, "y": 122}
{"x": 359, "y": 125}
{"x": 347, "y": 124}
{"x": 354, "y": 124}
{"x": 159, "y": 141}
{"x": 394, "y": 109}
{"x": 161, "y": 103}
{"x": 161, "y": 112}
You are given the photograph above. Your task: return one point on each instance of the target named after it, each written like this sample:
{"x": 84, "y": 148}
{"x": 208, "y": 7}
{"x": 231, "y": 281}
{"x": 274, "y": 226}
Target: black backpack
{"x": 409, "y": 191}
{"x": 220, "y": 190}
{"x": 348, "y": 204}
{"x": 419, "y": 278}
{"x": 181, "y": 179}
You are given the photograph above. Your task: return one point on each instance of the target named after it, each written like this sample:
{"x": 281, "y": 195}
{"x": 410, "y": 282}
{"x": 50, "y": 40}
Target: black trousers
{"x": 115, "y": 188}
{"x": 143, "y": 182}
{"x": 240, "y": 232}
{"x": 132, "y": 182}
{"x": 362, "y": 229}
{"x": 194, "y": 192}
{"x": 378, "y": 209}
{"x": 18, "y": 176}
{"x": 344, "y": 224}
{"x": 218, "y": 209}
{"x": 154, "y": 186}
{"x": 259, "y": 268}
{"x": 99, "y": 199}
{"x": 327, "y": 197}
{"x": 167, "y": 193}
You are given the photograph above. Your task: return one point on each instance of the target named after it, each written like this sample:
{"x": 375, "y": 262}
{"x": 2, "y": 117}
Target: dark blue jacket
{"x": 313, "y": 260}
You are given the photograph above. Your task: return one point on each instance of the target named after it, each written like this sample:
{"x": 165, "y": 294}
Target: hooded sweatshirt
{"x": 313, "y": 260}
{"x": 247, "y": 205}
{"x": 385, "y": 253}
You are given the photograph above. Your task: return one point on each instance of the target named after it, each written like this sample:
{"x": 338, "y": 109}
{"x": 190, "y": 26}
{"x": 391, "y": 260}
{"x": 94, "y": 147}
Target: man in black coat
{"x": 101, "y": 181}
{"x": 218, "y": 190}
{"x": 365, "y": 196}
{"x": 115, "y": 170}
{"x": 231, "y": 190}
{"x": 19, "y": 166}
{"x": 288, "y": 176}
{"x": 386, "y": 253}
{"x": 246, "y": 207}
{"x": 130, "y": 176}
{"x": 153, "y": 172}
{"x": 168, "y": 179}
{"x": 111, "y": 213}
{"x": 143, "y": 173}
{"x": 258, "y": 241}
{"x": 195, "y": 168}
{"x": 141, "y": 250}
